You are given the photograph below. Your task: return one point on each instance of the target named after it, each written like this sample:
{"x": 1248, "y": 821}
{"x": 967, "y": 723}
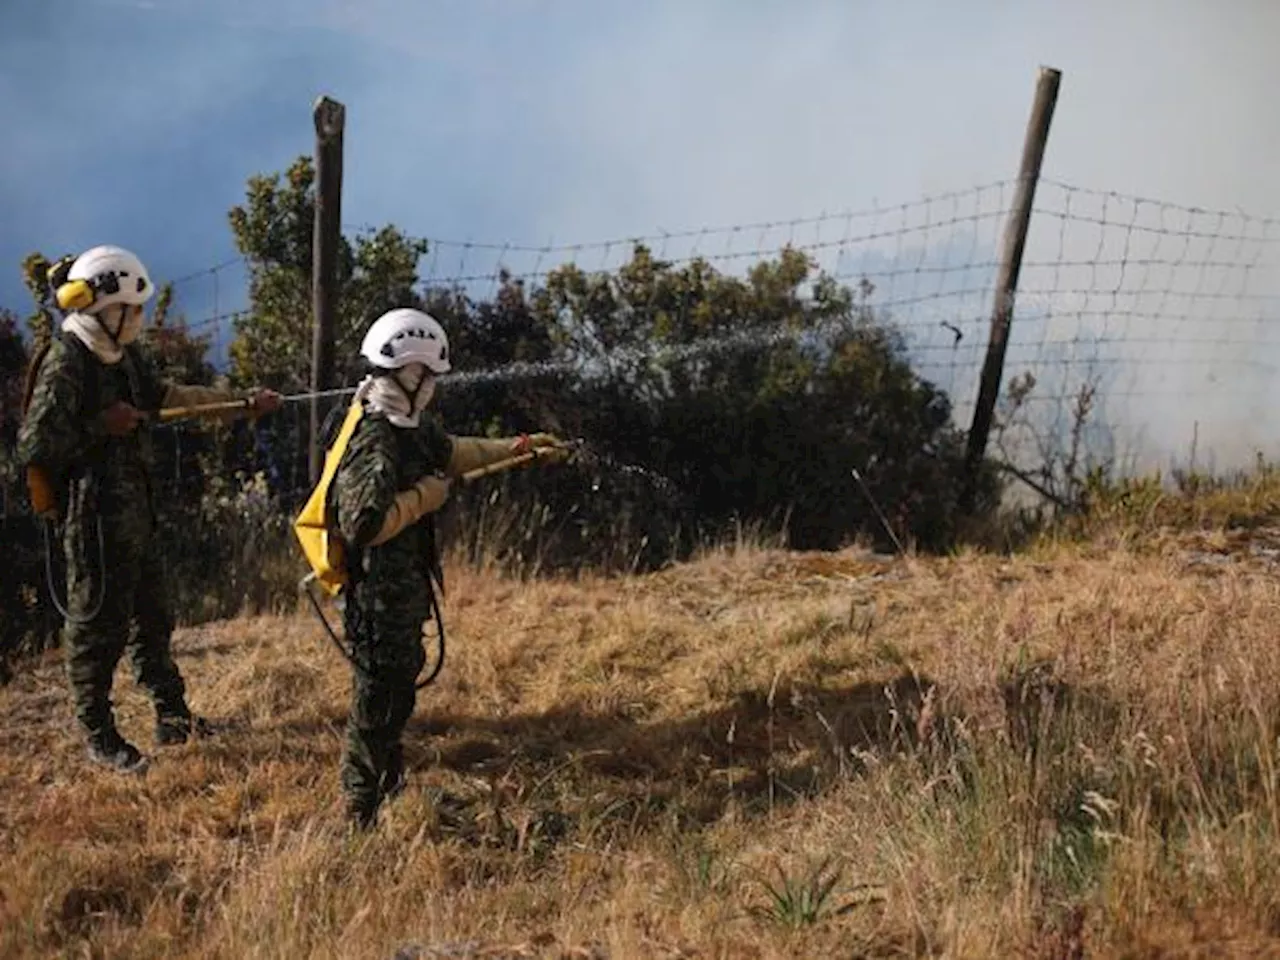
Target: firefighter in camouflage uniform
{"x": 85, "y": 433}
{"x": 395, "y": 473}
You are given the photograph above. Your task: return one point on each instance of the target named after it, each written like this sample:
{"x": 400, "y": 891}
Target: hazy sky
{"x": 138, "y": 121}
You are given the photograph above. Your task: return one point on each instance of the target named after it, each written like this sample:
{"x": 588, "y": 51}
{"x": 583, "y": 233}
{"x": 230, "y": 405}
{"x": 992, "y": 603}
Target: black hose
{"x": 333, "y": 637}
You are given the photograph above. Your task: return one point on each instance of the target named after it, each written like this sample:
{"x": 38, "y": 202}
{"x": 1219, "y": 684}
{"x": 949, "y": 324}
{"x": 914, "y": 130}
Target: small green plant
{"x": 796, "y": 902}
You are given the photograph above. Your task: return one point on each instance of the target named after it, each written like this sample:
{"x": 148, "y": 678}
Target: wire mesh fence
{"x": 1166, "y": 312}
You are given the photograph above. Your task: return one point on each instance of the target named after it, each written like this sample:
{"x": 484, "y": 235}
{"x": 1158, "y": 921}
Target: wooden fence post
{"x": 1012, "y": 246}
{"x": 330, "y": 119}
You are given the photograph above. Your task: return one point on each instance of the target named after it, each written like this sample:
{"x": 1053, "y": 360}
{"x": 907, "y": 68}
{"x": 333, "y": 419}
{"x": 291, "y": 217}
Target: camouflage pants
{"x": 134, "y": 617}
{"x": 382, "y": 701}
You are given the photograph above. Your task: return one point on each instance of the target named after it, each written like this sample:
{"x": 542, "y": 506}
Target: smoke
{"x": 540, "y": 122}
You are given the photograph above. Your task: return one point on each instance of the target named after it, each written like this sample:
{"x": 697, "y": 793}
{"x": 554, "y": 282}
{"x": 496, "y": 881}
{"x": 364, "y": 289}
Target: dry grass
{"x": 1070, "y": 752}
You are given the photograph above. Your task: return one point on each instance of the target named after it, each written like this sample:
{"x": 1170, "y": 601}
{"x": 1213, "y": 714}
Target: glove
{"x": 120, "y": 419}
{"x": 264, "y": 401}
{"x": 547, "y": 446}
{"x": 536, "y": 441}
{"x": 426, "y": 496}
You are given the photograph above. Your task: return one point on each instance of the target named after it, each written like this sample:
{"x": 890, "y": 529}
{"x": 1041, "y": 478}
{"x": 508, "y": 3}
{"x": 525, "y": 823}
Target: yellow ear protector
{"x": 79, "y": 294}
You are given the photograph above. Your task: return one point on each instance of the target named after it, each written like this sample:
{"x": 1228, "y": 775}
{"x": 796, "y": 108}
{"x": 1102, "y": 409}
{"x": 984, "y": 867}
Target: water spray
{"x": 586, "y": 369}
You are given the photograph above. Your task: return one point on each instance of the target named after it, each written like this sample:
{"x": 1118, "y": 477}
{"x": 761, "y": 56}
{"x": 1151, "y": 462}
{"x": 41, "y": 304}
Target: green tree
{"x": 274, "y": 231}
{"x": 35, "y": 270}
{"x": 758, "y": 396}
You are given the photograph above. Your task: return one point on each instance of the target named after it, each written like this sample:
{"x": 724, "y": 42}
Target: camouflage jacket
{"x": 97, "y": 473}
{"x": 381, "y": 460}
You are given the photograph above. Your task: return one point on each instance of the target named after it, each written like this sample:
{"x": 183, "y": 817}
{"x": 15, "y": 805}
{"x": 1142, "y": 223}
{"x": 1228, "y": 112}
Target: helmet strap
{"x": 114, "y": 335}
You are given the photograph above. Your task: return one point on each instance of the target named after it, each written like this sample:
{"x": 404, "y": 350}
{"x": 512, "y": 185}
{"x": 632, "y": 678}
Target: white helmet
{"x": 403, "y": 336}
{"x": 102, "y": 277}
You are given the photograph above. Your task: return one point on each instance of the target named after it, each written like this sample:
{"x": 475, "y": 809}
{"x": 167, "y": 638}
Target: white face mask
{"x": 108, "y": 332}
{"x": 393, "y": 394}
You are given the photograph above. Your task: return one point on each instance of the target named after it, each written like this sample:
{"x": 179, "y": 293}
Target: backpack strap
{"x": 322, "y": 546}
{"x": 89, "y": 391}
{"x": 33, "y": 372}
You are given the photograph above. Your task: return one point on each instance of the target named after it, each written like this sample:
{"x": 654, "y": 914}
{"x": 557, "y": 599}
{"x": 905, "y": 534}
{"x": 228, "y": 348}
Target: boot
{"x": 175, "y": 728}
{"x": 109, "y": 749}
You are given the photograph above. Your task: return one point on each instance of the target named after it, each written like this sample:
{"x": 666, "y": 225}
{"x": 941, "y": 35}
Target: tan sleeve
{"x": 472, "y": 452}
{"x": 190, "y": 395}
{"x": 425, "y": 496}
